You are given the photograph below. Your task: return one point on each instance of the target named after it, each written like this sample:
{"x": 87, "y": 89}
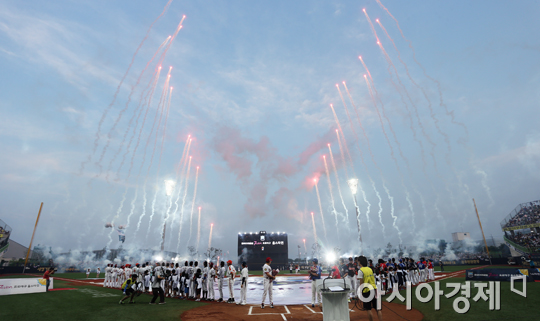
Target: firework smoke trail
{"x": 305, "y": 248}
{"x": 407, "y": 196}
{"x": 134, "y": 114}
{"x": 343, "y": 136}
{"x": 391, "y": 65}
{"x": 164, "y": 126}
{"x": 441, "y": 103}
{"x": 314, "y": 229}
{"x": 382, "y": 105}
{"x": 359, "y": 186}
{"x": 160, "y": 108}
{"x": 371, "y": 152}
{"x": 337, "y": 180}
{"x": 448, "y": 160}
{"x": 193, "y": 204}
{"x": 199, "y": 229}
{"x": 132, "y": 206}
{"x": 119, "y": 118}
{"x": 432, "y": 114}
{"x": 149, "y": 104}
{"x": 411, "y": 124}
{"x": 438, "y": 84}
{"x": 210, "y": 238}
{"x": 143, "y": 210}
{"x": 320, "y": 209}
{"x": 331, "y": 194}
{"x": 426, "y": 136}
{"x": 182, "y": 163}
{"x": 365, "y": 167}
{"x": 98, "y": 133}
{"x": 153, "y": 211}
{"x": 183, "y": 203}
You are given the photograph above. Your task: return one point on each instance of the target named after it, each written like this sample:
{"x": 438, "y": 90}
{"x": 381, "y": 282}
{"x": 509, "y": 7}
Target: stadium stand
{"x": 522, "y": 228}
{"x": 5, "y": 232}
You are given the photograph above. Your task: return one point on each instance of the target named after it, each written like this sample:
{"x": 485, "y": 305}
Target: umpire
{"x": 159, "y": 275}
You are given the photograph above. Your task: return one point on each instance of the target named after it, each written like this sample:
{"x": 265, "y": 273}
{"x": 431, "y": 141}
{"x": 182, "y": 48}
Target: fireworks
{"x": 320, "y": 208}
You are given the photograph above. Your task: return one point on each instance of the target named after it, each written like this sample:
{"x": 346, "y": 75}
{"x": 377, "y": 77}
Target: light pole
{"x": 169, "y": 186}
{"x": 353, "y": 185}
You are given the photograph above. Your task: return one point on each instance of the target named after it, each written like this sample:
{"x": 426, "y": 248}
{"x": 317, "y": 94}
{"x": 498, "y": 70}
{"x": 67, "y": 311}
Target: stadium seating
{"x": 528, "y": 214}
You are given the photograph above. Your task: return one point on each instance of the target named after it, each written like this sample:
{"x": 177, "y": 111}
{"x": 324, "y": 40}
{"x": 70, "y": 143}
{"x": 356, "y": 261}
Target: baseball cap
{"x": 350, "y": 259}
{"x": 229, "y": 262}
{"x": 268, "y": 259}
{"x": 315, "y": 261}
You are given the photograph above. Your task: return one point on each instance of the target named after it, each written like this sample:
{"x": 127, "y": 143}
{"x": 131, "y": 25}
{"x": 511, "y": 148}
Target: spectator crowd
{"x": 528, "y": 214}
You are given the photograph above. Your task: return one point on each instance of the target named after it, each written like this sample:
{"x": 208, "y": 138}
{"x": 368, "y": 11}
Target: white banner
{"x": 21, "y": 286}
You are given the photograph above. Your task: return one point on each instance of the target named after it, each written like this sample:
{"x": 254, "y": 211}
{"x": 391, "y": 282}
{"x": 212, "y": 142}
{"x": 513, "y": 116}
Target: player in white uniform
{"x": 147, "y": 278}
{"x": 268, "y": 283}
{"x": 191, "y": 273}
{"x": 107, "y": 281}
{"x": 114, "y": 277}
{"x": 204, "y": 290}
{"x": 211, "y": 279}
{"x": 221, "y": 276}
{"x": 231, "y": 274}
{"x": 243, "y": 292}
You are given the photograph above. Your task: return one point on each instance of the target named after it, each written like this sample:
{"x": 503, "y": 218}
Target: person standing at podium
{"x": 365, "y": 276}
{"x": 315, "y": 274}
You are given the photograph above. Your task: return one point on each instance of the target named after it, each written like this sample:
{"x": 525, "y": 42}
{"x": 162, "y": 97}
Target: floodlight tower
{"x": 353, "y": 185}
{"x": 169, "y": 187}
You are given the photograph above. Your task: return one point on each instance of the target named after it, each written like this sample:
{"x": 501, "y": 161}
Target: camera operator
{"x": 159, "y": 276}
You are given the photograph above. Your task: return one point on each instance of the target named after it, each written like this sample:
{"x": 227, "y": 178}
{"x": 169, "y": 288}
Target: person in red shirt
{"x": 46, "y": 276}
{"x": 431, "y": 275}
{"x": 335, "y": 272}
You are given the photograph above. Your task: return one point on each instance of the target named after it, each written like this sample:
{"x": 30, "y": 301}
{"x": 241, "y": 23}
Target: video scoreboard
{"x": 255, "y": 247}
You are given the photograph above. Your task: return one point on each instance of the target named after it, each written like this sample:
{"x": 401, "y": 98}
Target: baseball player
{"x": 231, "y": 274}
{"x": 315, "y": 274}
{"x": 190, "y": 273}
{"x": 243, "y": 292}
{"x": 193, "y": 285}
{"x": 205, "y": 281}
{"x": 351, "y": 276}
{"x": 268, "y": 283}
{"x": 430, "y": 270}
{"x": 221, "y": 276}
{"x": 115, "y": 277}
{"x": 107, "y": 281}
{"x": 211, "y": 278}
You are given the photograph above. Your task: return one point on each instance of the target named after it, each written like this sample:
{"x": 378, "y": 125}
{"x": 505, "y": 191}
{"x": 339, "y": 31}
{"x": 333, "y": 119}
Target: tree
{"x": 212, "y": 253}
{"x": 192, "y": 251}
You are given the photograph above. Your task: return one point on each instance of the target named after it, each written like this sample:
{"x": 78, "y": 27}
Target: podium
{"x": 335, "y": 294}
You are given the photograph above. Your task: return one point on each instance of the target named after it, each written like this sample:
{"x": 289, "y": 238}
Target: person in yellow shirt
{"x": 365, "y": 276}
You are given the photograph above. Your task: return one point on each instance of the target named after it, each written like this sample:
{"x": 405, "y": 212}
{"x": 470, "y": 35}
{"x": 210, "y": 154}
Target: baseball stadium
{"x": 279, "y": 160}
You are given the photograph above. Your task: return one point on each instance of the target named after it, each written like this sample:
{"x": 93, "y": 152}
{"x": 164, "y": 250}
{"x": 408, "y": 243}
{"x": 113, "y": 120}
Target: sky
{"x": 448, "y": 113}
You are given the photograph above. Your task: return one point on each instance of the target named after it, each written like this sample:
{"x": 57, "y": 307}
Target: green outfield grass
{"x": 513, "y": 306}
{"x": 88, "y": 303}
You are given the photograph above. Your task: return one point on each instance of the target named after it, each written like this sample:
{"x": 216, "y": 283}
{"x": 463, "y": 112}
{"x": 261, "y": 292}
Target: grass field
{"x": 87, "y": 303}
{"x": 513, "y": 306}
{"x": 98, "y": 303}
